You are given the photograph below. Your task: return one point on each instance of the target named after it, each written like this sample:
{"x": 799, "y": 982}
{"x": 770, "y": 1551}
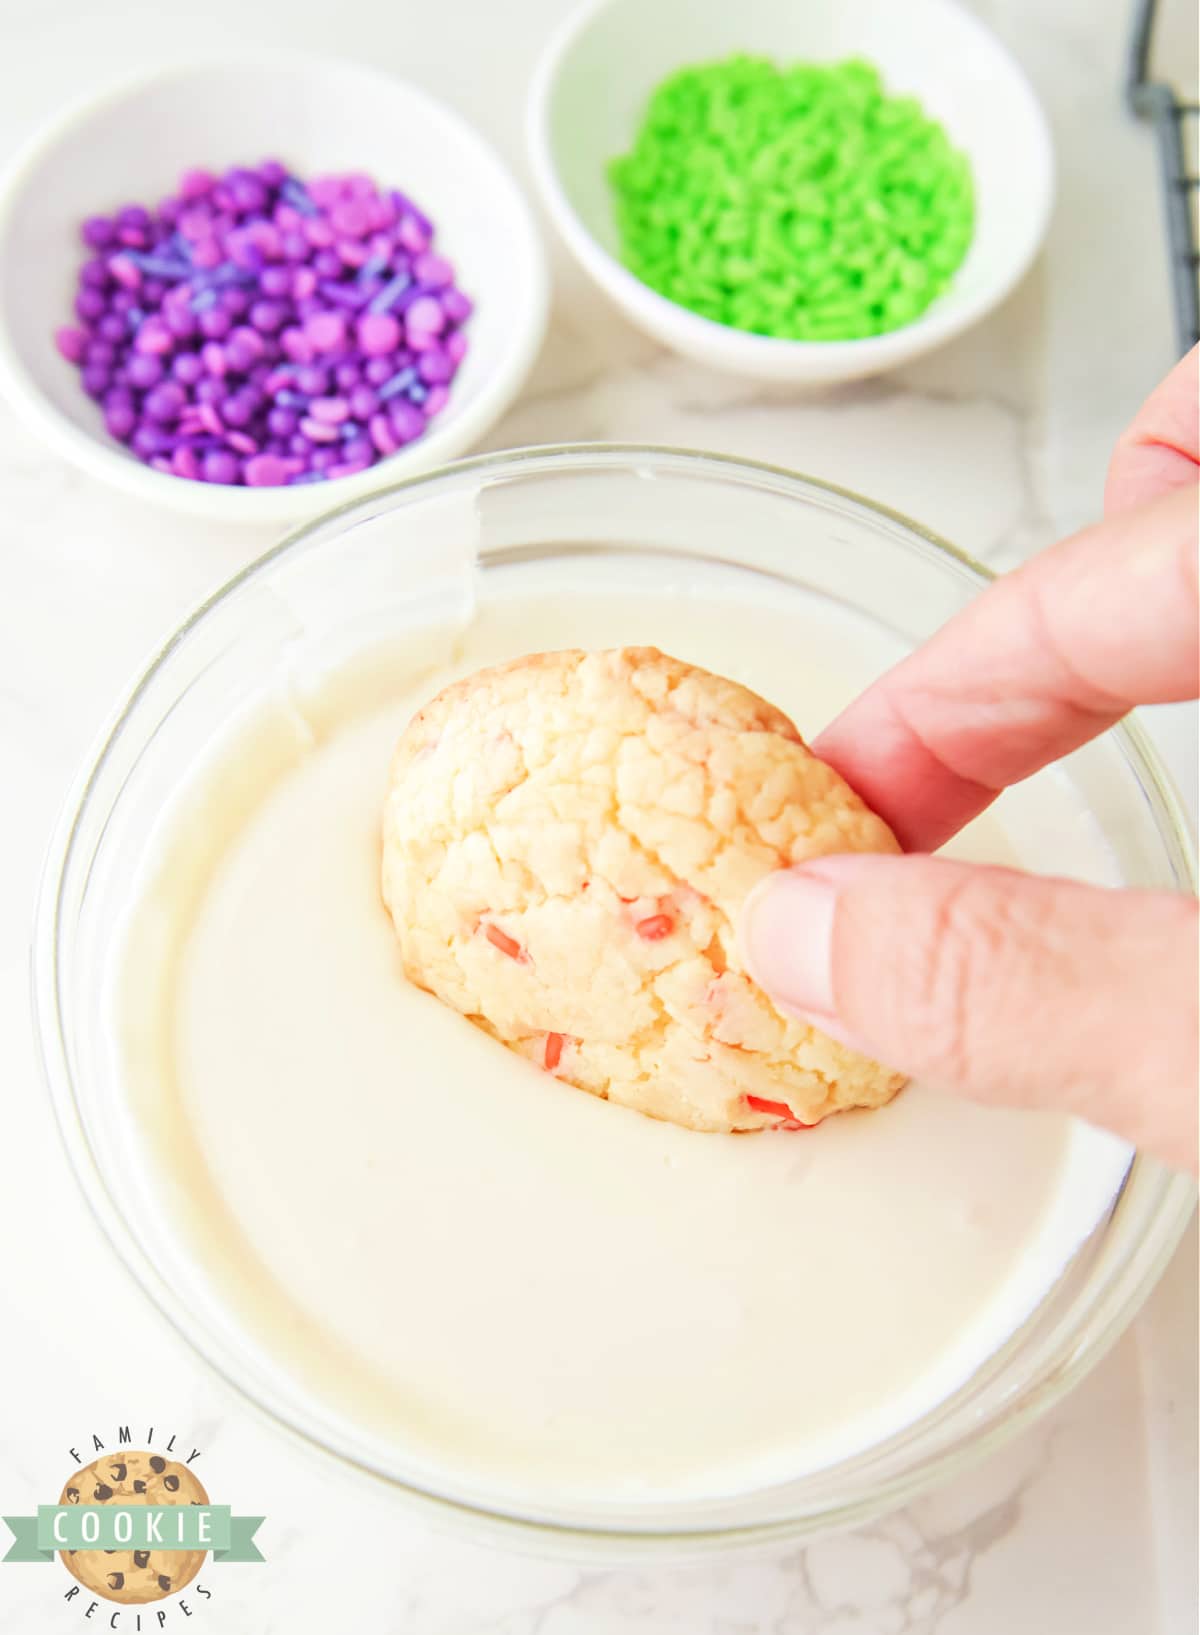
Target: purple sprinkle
{"x": 160, "y": 266}
{"x": 296, "y": 346}
{"x": 364, "y": 402}
{"x": 98, "y": 232}
{"x": 434, "y": 271}
{"x": 399, "y": 382}
{"x": 145, "y": 371}
{"x": 344, "y": 295}
{"x": 164, "y": 402}
{"x": 244, "y": 349}
{"x": 411, "y": 235}
{"x": 306, "y": 477}
{"x": 327, "y": 264}
{"x": 185, "y": 464}
{"x": 317, "y": 432}
{"x": 407, "y": 420}
{"x": 297, "y": 197}
{"x": 435, "y": 367}
{"x": 237, "y": 411}
{"x": 244, "y": 445}
{"x": 154, "y": 336}
{"x": 437, "y": 400}
{"x": 326, "y": 331}
{"x": 148, "y": 440}
{"x": 95, "y": 273}
{"x": 351, "y": 217}
{"x": 215, "y": 324}
{"x": 187, "y": 368}
{"x": 268, "y": 471}
{"x": 397, "y": 295}
{"x": 180, "y": 321}
{"x": 312, "y": 380}
{"x": 405, "y": 207}
{"x": 457, "y": 305}
{"x": 319, "y": 233}
{"x": 90, "y": 305}
{"x": 120, "y": 421}
{"x": 133, "y": 215}
{"x": 71, "y": 343}
{"x": 378, "y": 334}
{"x": 219, "y": 466}
{"x": 372, "y": 269}
{"x": 425, "y": 314}
{"x": 126, "y": 271}
{"x": 276, "y": 281}
{"x": 282, "y": 422}
{"x": 330, "y": 411}
{"x": 206, "y": 299}
{"x": 268, "y": 316}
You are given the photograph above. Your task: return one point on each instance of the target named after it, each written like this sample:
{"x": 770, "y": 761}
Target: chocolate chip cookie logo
{"x": 134, "y": 1526}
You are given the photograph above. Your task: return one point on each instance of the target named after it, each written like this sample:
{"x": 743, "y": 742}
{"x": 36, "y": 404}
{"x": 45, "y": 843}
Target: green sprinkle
{"x": 800, "y": 202}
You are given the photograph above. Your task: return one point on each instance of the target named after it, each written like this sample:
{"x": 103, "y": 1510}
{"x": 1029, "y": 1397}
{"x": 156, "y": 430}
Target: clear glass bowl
{"x": 430, "y": 547}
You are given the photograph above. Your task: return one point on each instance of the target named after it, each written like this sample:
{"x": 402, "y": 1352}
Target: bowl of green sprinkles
{"x": 797, "y": 190}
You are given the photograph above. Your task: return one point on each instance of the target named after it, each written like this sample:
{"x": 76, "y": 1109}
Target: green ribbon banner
{"x": 133, "y": 1527}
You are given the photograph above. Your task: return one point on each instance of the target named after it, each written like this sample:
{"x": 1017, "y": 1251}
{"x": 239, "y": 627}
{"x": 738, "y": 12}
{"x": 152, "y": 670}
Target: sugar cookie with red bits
{"x": 567, "y": 841}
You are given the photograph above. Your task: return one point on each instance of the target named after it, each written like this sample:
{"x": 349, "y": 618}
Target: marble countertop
{"x": 1086, "y": 1524}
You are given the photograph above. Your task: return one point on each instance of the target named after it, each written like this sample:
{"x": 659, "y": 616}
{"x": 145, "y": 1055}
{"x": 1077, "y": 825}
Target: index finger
{"x": 1045, "y": 659}
{"x": 1160, "y": 449}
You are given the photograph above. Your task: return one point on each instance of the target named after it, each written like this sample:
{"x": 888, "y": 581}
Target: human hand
{"x": 1009, "y": 987}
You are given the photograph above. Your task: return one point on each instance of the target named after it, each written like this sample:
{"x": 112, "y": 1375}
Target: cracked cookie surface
{"x": 567, "y": 841}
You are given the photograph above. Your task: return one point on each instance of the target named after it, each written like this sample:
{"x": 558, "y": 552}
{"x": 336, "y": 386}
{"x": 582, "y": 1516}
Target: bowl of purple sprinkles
{"x": 230, "y": 285}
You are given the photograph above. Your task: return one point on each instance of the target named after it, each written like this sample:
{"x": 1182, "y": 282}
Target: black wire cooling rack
{"x": 1175, "y": 131}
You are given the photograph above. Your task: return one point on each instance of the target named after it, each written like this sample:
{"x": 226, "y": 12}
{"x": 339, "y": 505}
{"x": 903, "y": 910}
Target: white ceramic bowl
{"x": 592, "y": 85}
{"x": 132, "y": 142}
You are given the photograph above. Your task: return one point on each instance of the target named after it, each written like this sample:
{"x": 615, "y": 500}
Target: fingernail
{"x": 787, "y": 939}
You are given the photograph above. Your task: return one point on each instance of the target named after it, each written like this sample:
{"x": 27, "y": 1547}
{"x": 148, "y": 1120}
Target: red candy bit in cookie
{"x": 554, "y": 1050}
{"x": 655, "y": 928}
{"x": 780, "y": 1110}
{"x": 503, "y": 942}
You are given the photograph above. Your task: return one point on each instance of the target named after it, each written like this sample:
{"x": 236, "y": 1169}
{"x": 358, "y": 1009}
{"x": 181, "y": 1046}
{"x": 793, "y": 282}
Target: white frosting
{"x": 534, "y": 1294}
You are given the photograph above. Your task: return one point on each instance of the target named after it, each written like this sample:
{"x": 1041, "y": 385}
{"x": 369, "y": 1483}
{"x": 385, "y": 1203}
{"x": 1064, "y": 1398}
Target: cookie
{"x": 133, "y": 1479}
{"x": 567, "y": 841}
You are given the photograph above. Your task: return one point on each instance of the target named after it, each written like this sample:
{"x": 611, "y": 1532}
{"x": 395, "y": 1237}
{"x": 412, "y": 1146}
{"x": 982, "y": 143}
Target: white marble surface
{"x": 1086, "y": 1525}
